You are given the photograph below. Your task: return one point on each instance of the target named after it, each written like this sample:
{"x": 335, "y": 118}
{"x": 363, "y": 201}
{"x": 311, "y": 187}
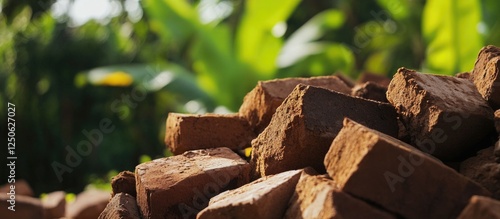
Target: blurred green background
{"x": 135, "y": 61}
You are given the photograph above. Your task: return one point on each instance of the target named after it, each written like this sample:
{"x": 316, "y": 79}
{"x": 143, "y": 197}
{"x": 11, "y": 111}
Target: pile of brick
{"x": 417, "y": 146}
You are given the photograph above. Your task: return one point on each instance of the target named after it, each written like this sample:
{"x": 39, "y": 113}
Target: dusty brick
{"x": 445, "y": 116}
{"x": 88, "y": 204}
{"x": 180, "y": 186}
{"x": 25, "y": 207}
{"x": 484, "y": 170}
{"x": 304, "y": 126}
{"x": 377, "y": 79}
{"x": 264, "y": 198}
{"x": 124, "y": 182}
{"x": 319, "y": 197}
{"x": 54, "y": 204}
{"x": 190, "y": 132}
{"x": 260, "y": 104}
{"x": 122, "y": 206}
{"x": 497, "y": 121}
{"x": 22, "y": 188}
{"x": 485, "y": 75}
{"x": 396, "y": 176}
{"x": 370, "y": 90}
{"x": 481, "y": 207}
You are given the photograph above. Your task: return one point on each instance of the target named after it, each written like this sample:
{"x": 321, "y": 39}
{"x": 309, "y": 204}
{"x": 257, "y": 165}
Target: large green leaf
{"x": 255, "y": 42}
{"x": 450, "y": 29}
{"x": 151, "y": 78}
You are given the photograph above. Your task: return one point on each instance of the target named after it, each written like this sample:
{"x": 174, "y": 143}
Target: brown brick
{"x": 383, "y": 170}
{"x": 54, "y": 204}
{"x": 190, "y": 132}
{"x": 25, "y": 207}
{"x": 481, "y": 207}
{"x": 484, "y": 170}
{"x": 485, "y": 75}
{"x": 445, "y": 116}
{"x": 370, "y": 90}
{"x": 264, "y": 198}
{"x": 88, "y": 204}
{"x": 122, "y": 206}
{"x": 124, "y": 182}
{"x": 260, "y": 104}
{"x": 304, "y": 126}
{"x": 180, "y": 186}
{"x": 383, "y": 81}
{"x": 319, "y": 197}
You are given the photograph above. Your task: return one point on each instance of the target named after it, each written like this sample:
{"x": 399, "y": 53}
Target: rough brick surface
{"x": 370, "y": 90}
{"x": 486, "y": 75}
{"x": 260, "y": 104}
{"x": 265, "y": 198}
{"x": 481, "y": 207}
{"x": 304, "y": 126}
{"x": 124, "y": 182}
{"x": 54, "y": 204}
{"x": 484, "y": 170}
{"x": 190, "y": 132}
{"x": 88, "y": 204}
{"x": 121, "y": 206}
{"x": 383, "y": 170}
{"x": 25, "y": 207}
{"x": 445, "y": 116}
{"x": 318, "y": 197}
{"x": 180, "y": 186}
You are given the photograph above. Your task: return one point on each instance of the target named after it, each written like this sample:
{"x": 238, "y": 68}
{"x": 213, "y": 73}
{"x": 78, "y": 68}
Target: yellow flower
{"x": 117, "y": 78}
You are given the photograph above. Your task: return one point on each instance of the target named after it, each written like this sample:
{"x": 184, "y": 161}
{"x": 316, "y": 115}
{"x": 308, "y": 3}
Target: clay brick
{"x": 497, "y": 121}
{"x": 180, "y": 186}
{"x": 191, "y": 132}
{"x": 370, "y": 90}
{"x": 124, "y": 182}
{"x": 88, "y": 204}
{"x": 22, "y": 188}
{"x": 481, "y": 207}
{"x": 445, "y": 116}
{"x": 319, "y": 197}
{"x": 484, "y": 170}
{"x": 304, "y": 126}
{"x": 122, "y": 206}
{"x": 265, "y": 198}
{"x": 377, "y": 79}
{"x": 54, "y": 204}
{"x": 485, "y": 75}
{"x": 396, "y": 176}
{"x": 25, "y": 207}
{"x": 260, "y": 104}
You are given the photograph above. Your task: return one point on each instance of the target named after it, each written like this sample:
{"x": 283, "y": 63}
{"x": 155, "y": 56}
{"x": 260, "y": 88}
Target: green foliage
{"x": 450, "y": 30}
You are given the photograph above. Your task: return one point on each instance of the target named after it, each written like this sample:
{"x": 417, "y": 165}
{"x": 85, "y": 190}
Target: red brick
{"x": 180, "y": 186}
{"x": 484, "y": 170}
{"x": 481, "y": 207}
{"x": 319, "y": 197}
{"x": 191, "y": 132}
{"x": 88, "y": 204}
{"x": 396, "y": 176}
{"x": 122, "y": 206}
{"x": 25, "y": 207}
{"x": 124, "y": 182}
{"x": 485, "y": 75}
{"x": 445, "y": 116}
{"x": 304, "y": 126}
{"x": 260, "y": 104}
{"x": 265, "y": 198}
{"x": 370, "y": 90}
{"x": 54, "y": 204}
